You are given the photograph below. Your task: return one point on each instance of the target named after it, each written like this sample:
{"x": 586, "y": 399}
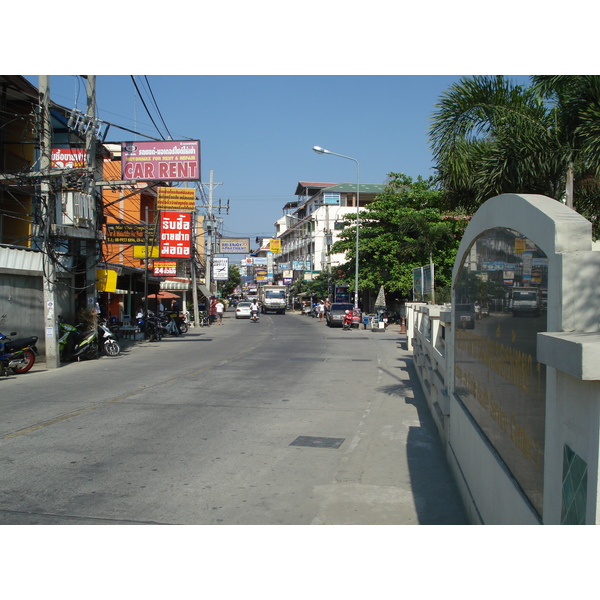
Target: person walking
{"x": 220, "y": 310}
{"x": 321, "y": 309}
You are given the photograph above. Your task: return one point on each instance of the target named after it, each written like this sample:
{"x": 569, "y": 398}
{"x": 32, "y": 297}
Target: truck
{"x": 526, "y": 301}
{"x": 272, "y": 298}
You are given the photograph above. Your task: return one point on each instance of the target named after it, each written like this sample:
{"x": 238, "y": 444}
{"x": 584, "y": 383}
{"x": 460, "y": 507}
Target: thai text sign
{"x": 129, "y": 233}
{"x": 170, "y": 198}
{"x": 161, "y": 161}
{"x": 164, "y": 268}
{"x": 175, "y": 234}
{"x": 68, "y": 158}
{"x": 234, "y": 245}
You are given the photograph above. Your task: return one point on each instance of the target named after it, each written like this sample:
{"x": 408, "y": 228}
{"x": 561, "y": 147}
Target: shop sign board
{"x": 164, "y": 268}
{"x": 167, "y": 160}
{"x": 175, "y": 234}
{"x": 220, "y": 269}
{"x": 133, "y": 234}
{"x": 68, "y": 158}
{"x": 173, "y": 198}
{"x": 234, "y": 245}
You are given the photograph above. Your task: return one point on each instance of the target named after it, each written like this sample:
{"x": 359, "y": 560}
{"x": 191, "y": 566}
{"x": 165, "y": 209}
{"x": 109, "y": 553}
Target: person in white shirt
{"x": 220, "y": 310}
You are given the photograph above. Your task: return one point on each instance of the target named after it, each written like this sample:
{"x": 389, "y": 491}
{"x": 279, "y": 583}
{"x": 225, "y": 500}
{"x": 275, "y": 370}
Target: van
{"x": 526, "y": 301}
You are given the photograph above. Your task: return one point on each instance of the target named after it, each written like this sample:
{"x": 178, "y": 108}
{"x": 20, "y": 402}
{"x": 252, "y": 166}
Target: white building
{"x": 314, "y": 222}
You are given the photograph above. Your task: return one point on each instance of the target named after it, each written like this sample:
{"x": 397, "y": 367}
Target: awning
{"x": 204, "y": 290}
{"x": 174, "y": 285}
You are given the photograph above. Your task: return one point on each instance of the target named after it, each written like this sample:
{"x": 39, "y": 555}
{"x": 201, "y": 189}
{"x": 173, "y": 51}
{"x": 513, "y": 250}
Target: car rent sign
{"x": 161, "y": 161}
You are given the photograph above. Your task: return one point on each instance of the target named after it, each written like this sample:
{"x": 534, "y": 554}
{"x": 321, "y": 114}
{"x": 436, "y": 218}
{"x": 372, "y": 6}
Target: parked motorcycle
{"x": 151, "y": 326}
{"x": 17, "y": 355}
{"x": 107, "y": 340}
{"x": 76, "y": 342}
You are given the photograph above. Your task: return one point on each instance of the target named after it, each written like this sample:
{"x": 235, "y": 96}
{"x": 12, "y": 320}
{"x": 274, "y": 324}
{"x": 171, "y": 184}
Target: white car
{"x": 242, "y": 310}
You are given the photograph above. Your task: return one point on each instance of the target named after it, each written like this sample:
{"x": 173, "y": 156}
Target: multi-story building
{"x": 312, "y": 224}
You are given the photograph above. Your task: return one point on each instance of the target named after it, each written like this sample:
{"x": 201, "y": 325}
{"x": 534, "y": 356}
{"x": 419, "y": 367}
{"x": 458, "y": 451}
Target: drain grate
{"x": 317, "y": 442}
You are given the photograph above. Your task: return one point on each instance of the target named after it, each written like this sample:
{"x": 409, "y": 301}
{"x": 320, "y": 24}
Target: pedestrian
{"x": 321, "y": 309}
{"x": 220, "y": 309}
{"x": 212, "y": 310}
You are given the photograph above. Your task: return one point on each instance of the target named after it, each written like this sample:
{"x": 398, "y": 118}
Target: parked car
{"x": 335, "y": 315}
{"x": 242, "y": 310}
{"x": 465, "y": 316}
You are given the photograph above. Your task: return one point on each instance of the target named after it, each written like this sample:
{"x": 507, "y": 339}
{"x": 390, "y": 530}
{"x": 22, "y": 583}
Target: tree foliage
{"x": 403, "y": 228}
{"x": 490, "y": 136}
{"x": 226, "y": 287}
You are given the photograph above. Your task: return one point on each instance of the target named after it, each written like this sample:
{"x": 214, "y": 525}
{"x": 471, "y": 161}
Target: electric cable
{"x": 144, "y": 103}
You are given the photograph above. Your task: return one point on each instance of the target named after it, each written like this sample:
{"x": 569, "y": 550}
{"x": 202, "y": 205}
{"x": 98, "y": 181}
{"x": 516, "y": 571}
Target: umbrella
{"x": 380, "y": 302}
{"x": 163, "y": 295}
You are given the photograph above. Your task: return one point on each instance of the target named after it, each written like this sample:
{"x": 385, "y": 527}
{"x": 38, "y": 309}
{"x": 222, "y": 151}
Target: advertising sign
{"x": 68, "y": 158}
{"x": 164, "y": 268}
{"x": 234, "y": 245}
{"x": 161, "y": 161}
{"x": 172, "y": 198}
{"x": 130, "y": 233}
{"x": 175, "y": 234}
{"x": 220, "y": 269}
{"x": 275, "y": 245}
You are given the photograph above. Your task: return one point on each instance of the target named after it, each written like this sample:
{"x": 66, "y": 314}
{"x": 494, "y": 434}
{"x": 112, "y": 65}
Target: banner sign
{"x": 68, "y": 158}
{"x": 171, "y": 198}
{"x": 129, "y": 233}
{"x": 275, "y": 245}
{"x": 234, "y": 245}
{"x": 175, "y": 234}
{"x": 161, "y": 161}
{"x": 165, "y": 268}
{"x": 220, "y": 269}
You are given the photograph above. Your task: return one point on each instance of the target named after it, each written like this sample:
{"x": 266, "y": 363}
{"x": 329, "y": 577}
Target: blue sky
{"x": 257, "y": 131}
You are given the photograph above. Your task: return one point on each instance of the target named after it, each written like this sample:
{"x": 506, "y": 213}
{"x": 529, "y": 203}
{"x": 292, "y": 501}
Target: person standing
{"x": 212, "y": 311}
{"x": 321, "y": 309}
{"x": 220, "y": 307}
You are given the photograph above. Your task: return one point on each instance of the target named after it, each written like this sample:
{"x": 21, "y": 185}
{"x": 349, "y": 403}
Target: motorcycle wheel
{"x": 183, "y": 327}
{"x": 28, "y": 361}
{"x": 90, "y": 352}
{"x": 111, "y": 348}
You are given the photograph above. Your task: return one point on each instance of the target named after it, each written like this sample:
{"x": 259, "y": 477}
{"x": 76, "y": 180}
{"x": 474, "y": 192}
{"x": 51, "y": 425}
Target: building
{"x": 313, "y": 223}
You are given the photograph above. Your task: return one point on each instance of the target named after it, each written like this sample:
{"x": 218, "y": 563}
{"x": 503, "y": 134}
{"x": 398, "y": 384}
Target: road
{"x": 281, "y": 422}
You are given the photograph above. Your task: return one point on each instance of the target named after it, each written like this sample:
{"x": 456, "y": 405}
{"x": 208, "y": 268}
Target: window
{"x": 331, "y": 197}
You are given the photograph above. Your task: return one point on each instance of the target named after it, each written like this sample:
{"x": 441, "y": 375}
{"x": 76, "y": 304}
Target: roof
{"x": 364, "y": 188}
{"x": 313, "y": 187}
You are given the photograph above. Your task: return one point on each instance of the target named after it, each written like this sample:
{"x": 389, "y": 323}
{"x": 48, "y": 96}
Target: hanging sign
{"x": 164, "y": 268}
{"x": 175, "y": 234}
{"x": 172, "y": 198}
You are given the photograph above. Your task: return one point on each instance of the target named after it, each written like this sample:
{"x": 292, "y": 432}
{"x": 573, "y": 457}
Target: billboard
{"x": 172, "y": 198}
{"x": 175, "y": 234}
{"x": 164, "y": 268}
{"x": 68, "y": 158}
{"x": 234, "y": 245}
{"x": 161, "y": 161}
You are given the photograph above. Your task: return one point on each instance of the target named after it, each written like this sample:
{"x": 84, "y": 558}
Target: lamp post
{"x": 320, "y": 150}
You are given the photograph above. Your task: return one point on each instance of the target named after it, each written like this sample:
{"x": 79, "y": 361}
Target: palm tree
{"x": 490, "y": 136}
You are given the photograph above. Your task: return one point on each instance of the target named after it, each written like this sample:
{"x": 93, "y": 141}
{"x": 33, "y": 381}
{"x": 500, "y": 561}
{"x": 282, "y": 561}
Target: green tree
{"x": 405, "y": 227}
{"x": 490, "y": 136}
{"x": 227, "y": 287}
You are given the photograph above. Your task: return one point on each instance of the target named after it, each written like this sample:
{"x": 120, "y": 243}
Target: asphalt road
{"x": 281, "y": 422}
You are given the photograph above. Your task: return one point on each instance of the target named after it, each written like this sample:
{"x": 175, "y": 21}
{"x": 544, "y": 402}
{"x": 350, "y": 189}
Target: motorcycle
{"x": 347, "y": 323}
{"x": 17, "y": 355}
{"x": 151, "y": 326}
{"x": 254, "y": 316}
{"x": 107, "y": 341}
{"x": 75, "y": 342}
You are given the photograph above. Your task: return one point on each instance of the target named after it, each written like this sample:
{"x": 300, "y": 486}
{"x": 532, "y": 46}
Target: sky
{"x": 257, "y": 132}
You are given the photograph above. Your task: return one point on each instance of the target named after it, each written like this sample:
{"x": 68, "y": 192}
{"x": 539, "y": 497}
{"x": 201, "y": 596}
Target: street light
{"x": 320, "y": 150}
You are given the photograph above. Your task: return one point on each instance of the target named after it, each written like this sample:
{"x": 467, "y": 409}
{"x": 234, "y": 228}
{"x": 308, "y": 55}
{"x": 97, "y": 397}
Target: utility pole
{"x": 49, "y": 274}
{"x": 90, "y": 146}
{"x": 210, "y": 224}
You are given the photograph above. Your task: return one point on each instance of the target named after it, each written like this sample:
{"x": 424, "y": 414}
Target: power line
{"x": 144, "y": 103}
{"x": 158, "y": 109}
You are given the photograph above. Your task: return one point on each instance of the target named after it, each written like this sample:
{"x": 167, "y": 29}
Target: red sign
{"x": 175, "y": 234}
{"x": 68, "y": 158}
{"x": 160, "y": 161}
{"x": 165, "y": 268}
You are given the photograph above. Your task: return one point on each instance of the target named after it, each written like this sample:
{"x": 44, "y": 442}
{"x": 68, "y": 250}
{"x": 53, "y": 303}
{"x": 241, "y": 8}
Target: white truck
{"x": 272, "y": 298}
{"x": 526, "y": 301}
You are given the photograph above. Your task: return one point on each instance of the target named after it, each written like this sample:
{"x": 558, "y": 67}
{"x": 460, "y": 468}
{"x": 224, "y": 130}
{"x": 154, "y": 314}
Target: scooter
{"x": 107, "y": 341}
{"x": 254, "y": 316}
{"x": 74, "y": 342}
{"x": 17, "y": 355}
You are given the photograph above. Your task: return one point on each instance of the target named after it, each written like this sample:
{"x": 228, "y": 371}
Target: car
{"x": 335, "y": 315}
{"x": 242, "y": 310}
{"x": 465, "y": 316}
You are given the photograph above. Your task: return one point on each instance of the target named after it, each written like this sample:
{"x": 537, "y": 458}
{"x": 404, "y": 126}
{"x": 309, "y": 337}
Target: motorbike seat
{"x": 15, "y": 345}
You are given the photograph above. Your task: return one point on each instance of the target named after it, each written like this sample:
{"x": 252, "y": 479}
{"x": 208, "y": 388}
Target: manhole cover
{"x": 317, "y": 442}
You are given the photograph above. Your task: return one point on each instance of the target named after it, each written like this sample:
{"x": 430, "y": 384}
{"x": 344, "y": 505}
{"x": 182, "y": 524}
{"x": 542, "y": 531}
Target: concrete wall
{"x": 570, "y": 349}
